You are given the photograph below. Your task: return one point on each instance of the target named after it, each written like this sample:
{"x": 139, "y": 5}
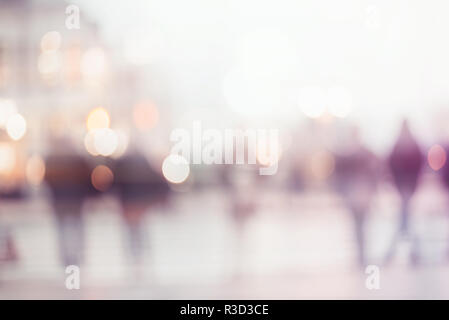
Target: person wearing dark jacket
{"x": 138, "y": 187}
{"x": 68, "y": 178}
{"x": 405, "y": 162}
{"x": 356, "y": 177}
{"x": 444, "y": 175}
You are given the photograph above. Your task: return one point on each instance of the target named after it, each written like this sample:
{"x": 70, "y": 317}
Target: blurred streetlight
{"x": 98, "y": 119}
{"x": 175, "y": 169}
{"x": 16, "y": 127}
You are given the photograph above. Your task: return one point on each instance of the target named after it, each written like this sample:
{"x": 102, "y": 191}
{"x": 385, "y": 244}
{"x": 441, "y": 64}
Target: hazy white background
{"x": 392, "y": 56}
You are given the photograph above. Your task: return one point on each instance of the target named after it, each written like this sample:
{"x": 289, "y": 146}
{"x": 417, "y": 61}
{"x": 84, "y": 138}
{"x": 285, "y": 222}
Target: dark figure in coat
{"x": 356, "y": 173}
{"x": 68, "y": 177}
{"x": 444, "y": 173}
{"x": 405, "y": 162}
{"x": 139, "y": 187}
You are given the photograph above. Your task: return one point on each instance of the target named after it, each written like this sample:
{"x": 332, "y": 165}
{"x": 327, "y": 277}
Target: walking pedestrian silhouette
{"x": 405, "y": 163}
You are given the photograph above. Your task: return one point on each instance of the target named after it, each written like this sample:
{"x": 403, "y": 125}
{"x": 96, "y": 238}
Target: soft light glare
{"x": 51, "y": 41}
{"x": 339, "y": 101}
{"x": 436, "y": 157}
{"x": 93, "y": 64}
{"x": 89, "y": 143}
{"x": 122, "y": 144}
{"x": 72, "y": 63}
{"x": 175, "y": 169}
{"x": 7, "y": 109}
{"x": 50, "y": 63}
{"x": 105, "y": 141}
{"x": 250, "y": 94}
{"x": 268, "y": 51}
{"x": 16, "y": 127}
{"x": 7, "y": 158}
{"x": 98, "y": 119}
{"x": 145, "y": 116}
{"x": 143, "y": 46}
{"x": 35, "y": 170}
{"x": 312, "y": 101}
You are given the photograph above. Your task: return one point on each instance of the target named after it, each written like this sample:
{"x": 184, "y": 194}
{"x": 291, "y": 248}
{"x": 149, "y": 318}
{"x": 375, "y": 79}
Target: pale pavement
{"x": 296, "y": 246}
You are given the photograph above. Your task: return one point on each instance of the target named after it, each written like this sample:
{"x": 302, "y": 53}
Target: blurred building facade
{"x": 53, "y": 76}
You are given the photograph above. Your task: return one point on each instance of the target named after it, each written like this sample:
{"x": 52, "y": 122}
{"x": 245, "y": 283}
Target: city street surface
{"x": 193, "y": 251}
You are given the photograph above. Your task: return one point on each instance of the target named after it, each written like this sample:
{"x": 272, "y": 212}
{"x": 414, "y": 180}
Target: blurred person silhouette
{"x": 8, "y": 251}
{"x": 240, "y": 183}
{"x": 139, "y": 188}
{"x": 67, "y": 175}
{"x": 405, "y": 163}
{"x": 444, "y": 175}
{"x": 356, "y": 177}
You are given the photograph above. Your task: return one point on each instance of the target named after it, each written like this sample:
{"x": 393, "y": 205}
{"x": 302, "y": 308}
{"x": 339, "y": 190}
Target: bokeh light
{"x": 102, "y": 178}
{"x": 122, "y": 143}
{"x": 175, "y": 168}
{"x": 89, "y": 143}
{"x": 98, "y": 119}
{"x": 436, "y": 157}
{"x": 51, "y": 41}
{"x": 16, "y": 126}
{"x": 105, "y": 141}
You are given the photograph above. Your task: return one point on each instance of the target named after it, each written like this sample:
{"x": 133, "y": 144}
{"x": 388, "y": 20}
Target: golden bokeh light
{"x": 98, "y": 119}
